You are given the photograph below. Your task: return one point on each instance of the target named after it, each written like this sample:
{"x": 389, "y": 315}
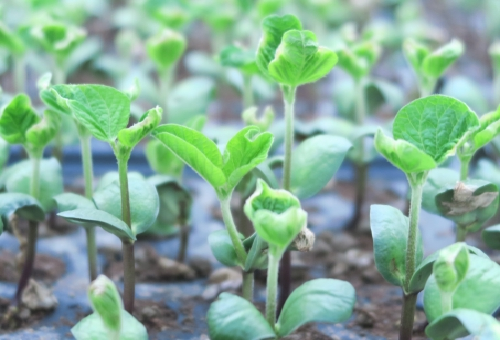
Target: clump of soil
{"x": 46, "y": 269}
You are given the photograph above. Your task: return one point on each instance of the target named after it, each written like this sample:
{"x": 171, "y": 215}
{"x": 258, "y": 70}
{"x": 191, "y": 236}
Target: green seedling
{"x": 358, "y": 60}
{"x": 278, "y": 219}
{"x": 13, "y": 42}
{"x": 105, "y": 113}
{"x": 244, "y": 61}
{"x": 426, "y": 132}
{"x": 109, "y": 320}
{"x": 165, "y": 49}
{"x": 249, "y": 117}
{"x": 291, "y": 57}
{"x": 458, "y": 297}
{"x": 20, "y": 124}
{"x": 429, "y": 66}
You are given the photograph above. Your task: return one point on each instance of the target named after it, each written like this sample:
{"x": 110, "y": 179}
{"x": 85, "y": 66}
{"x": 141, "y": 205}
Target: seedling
{"x": 422, "y": 141}
{"x": 14, "y": 43}
{"x": 109, "y": 320}
{"x": 429, "y": 66}
{"x": 20, "y": 124}
{"x": 291, "y": 57}
{"x": 105, "y": 112}
{"x": 278, "y": 219}
{"x": 165, "y": 49}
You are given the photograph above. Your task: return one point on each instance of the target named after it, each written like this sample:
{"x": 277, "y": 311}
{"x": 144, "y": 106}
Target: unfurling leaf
{"x": 133, "y": 135}
{"x": 451, "y": 266}
{"x": 166, "y": 48}
{"x": 233, "y": 56}
{"x": 16, "y": 119}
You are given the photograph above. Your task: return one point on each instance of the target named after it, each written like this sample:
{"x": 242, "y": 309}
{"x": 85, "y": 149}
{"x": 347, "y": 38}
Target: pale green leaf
{"x": 166, "y": 48}
{"x": 23, "y": 205}
{"x": 70, "y": 201}
{"x": 436, "y": 63}
{"x": 133, "y": 135}
{"x": 92, "y": 328}
{"x": 222, "y": 248}
{"x": 460, "y": 322}
{"x": 17, "y": 117}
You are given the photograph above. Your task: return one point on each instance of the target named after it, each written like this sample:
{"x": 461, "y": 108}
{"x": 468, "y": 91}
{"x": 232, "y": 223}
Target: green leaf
{"x": 17, "y": 117}
{"x": 460, "y": 323}
{"x": 478, "y": 291}
{"x": 189, "y": 98}
{"x": 469, "y": 203}
{"x": 451, "y": 267}
{"x": 320, "y": 300}
{"x": 23, "y": 205}
{"x": 10, "y": 40}
{"x": 58, "y": 39}
{"x": 143, "y": 197}
{"x": 162, "y": 160}
{"x": 233, "y": 56}
{"x": 51, "y": 96}
{"x": 166, "y": 48}
{"x": 390, "y": 235}
{"x": 222, "y": 248}
{"x": 436, "y": 63}
{"x": 103, "y": 110}
{"x": 243, "y": 152}
{"x": 133, "y": 135}
{"x": 70, "y": 201}
{"x": 234, "y": 318}
{"x": 196, "y": 150}
{"x": 403, "y": 154}
{"x": 101, "y": 218}
{"x": 92, "y": 327}
{"x": 40, "y": 134}
{"x": 274, "y": 27}
{"x": 490, "y": 128}
{"x": 491, "y": 236}
{"x": 488, "y": 171}
{"x": 18, "y": 179}
{"x": 415, "y": 53}
{"x": 435, "y": 125}
{"x": 256, "y": 257}
{"x": 359, "y": 60}
{"x": 299, "y": 60}
{"x": 315, "y": 162}
{"x": 437, "y": 181}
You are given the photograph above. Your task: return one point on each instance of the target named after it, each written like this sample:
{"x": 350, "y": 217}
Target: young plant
{"x": 358, "y": 60}
{"x": 16, "y": 46}
{"x": 109, "y": 320}
{"x": 20, "y": 124}
{"x": 278, "y": 219}
{"x": 426, "y": 132}
{"x": 429, "y": 66}
{"x": 105, "y": 112}
{"x": 165, "y": 49}
{"x": 291, "y": 57}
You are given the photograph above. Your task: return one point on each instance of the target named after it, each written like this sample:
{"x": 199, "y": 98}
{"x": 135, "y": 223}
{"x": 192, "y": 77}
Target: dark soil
{"x": 46, "y": 269}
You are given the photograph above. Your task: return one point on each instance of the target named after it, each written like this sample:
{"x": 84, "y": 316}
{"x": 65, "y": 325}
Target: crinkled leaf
{"x": 320, "y": 300}
{"x": 436, "y": 63}
{"x": 437, "y": 181}
{"x": 222, "y": 248}
{"x": 17, "y": 117}
{"x": 315, "y": 162}
{"x": 390, "y": 235}
{"x": 274, "y": 27}
{"x": 299, "y": 60}
{"x": 103, "y": 110}
{"x": 143, "y": 197}
{"x": 23, "y": 205}
{"x": 70, "y": 201}
{"x": 478, "y": 291}
{"x": 18, "y": 179}
{"x": 133, "y": 135}
{"x": 198, "y": 151}
{"x": 92, "y": 327}
{"x": 403, "y": 154}
{"x": 435, "y": 125}
{"x": 459, "y": 323}
{"x": 100, "y": 218}
{"x": 51, "y": 98}
{"x": 40, "y": 134}
{"x": 166, "y": 48}
{"x": 234, "y": 318}
{"x": 490, "y": 131}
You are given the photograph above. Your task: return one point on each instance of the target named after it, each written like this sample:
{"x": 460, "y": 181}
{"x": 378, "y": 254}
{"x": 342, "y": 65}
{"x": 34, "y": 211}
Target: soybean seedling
{"x": 451, "y": 293}
{"x": 104, "y": 112}
{"x": 165, "y": 49}
{"x": 421, "y": 142}
{"x": 278, "y": 219}
{"x": 291, "y": 57}
{"x": 109, "y": 320}
{"x": 14, "y": 43}
{"x": 429, "y": 66}
{"x": 20, "y": 124}
{"x": 358, "y": 60}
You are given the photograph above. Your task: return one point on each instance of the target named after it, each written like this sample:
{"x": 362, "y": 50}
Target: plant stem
{"x": 128, "y": 246}
{"x": 464, "y": 167}
{"x": 272, "y": 284}
{"x": 247, "y": 289}
{"x": 19, "y": 73}
{"x": 417, "y": 184}
{"x": 248, "y": 99}
{"x": 289, "y": 99}
{"x": 447, "y": 302}
{"x": 184, "y": 233}
{"x": 36, "y": 157}
{"x": 90, "y": 231}
{"x": 461, "y": 233}
{"x": 165, "y": 80}
{"x": 225, "y": 206}
{"x": 407, "y": 317}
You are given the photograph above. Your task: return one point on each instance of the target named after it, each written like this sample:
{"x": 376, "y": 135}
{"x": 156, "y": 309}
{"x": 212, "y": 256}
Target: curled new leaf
{"x": 436, "y": 63}
{"x": 299, "y": 60}
{"x": 58, "y": 39}
{"x": 92, "y": 327}
{"x": 133, "y": 135}
{"x": 359, "y": 60}
{"x": 166, "y": 48}
{"x": 17, "y": 117}
{"x": 451, "y": 267}
{"x": 233, "y": 56}
{"x": 106, "y": 302}
{"x": 40, "y": 134}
